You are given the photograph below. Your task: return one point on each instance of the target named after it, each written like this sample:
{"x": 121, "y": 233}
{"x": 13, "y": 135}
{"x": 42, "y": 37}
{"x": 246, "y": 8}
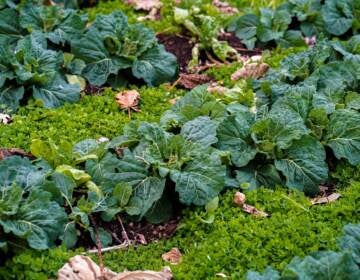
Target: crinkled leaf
{"x": 351, "y": 241}
{"x": 268, "y": 274}
{"x": 338, "y": 16}
{"x": 201, "y": 130}
{"x": 10, "y": 96}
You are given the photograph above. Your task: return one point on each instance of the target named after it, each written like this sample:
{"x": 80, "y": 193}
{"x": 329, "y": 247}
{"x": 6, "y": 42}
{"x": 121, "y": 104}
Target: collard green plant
{"x": 313, "y": 17}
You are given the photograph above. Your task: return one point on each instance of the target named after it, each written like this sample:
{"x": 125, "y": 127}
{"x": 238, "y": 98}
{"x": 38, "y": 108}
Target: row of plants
{"x": 284, "y": 134}
{"x": 291, "y": 21}
{"x": 47, "y": 52}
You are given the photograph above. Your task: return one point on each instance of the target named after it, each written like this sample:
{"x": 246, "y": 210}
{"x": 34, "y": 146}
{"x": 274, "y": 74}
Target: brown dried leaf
{"x": 253, "y": 70}
{"x": 216, "y": 88}
{"x": 239, "y": 199}
{"x": 326, "y": 199}
{"x": 174, "y": 256}
{"x": 14, "y": 152}
{"x": 83, "y": 268}
{"x": 5, "y": 118}
{"x": 225, "y": 7}
{"x": 190, "y": 81}
{"x": 128, "y": 100}
{"x": 253, "y": 211}
{"x": 145, "y": 5}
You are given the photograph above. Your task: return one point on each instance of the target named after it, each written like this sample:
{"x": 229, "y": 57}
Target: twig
{"x": 175, "y": 83}
{"x": 99, "y": 247}
{"x": 123, "y": 233}
{"x": 212, "y": 59}
{"x": 107, "y": 249}
{"x": 199, "y": 69}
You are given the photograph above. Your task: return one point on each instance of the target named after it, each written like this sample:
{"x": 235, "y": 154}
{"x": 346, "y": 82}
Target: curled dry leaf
{"x": 239, "y": 199}
{"x": 5, "y": 118}
{"x": 327, "y": 199}
{"x": 253, "y": 70}
{"x": 225, "y": 7}
{"x": 174, "y": 256}
{"x": 128, "y": 100}
{"x": 145, "y": 5}
{"x": 83, "y": 268}
{"x": 190, "y": 81}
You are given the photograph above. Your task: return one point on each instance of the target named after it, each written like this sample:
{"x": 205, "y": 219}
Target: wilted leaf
{"x": 128, "y": 100}
{"x": 253, "y": 211}
{"x": 326, "y": 199}
{"x": 250, "y": 70}
{"x": 239, "y": 199}
{"x": 190, "y": 81}
{"x": 174, "y": 256}
{"x": 14, "y": 152}
{"x": 225, "y": 7}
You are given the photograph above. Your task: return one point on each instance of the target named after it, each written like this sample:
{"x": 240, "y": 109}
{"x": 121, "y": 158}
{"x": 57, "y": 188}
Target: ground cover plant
{"x": 281, "y": 135}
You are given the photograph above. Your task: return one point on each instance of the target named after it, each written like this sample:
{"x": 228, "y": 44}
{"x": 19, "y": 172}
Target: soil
{"x": 179, "y": 46}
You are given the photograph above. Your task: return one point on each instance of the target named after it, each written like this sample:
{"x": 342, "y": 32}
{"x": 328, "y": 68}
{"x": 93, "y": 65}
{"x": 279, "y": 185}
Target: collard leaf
{"x": 37, "y": 220}
{"x": 155, "y": 66}
{"x": 9, "y": 23}
{"x": 338, "y": 16}
{"x": 122, "y": 192}
{"x": 245, "y": 28}
{"x": 351, "y": 241}
{"x": 10, "y": 96}
{"x": 234, "y": 135}
{"x": 200, "y": 180}
{"x": 303, "y": 165}
{"x": 268, "y": 274}
{"x": 343, "y": 135}
{"x": 323, "y": 266}
{"x": 57, "y": 93}
{"x": 201, "y": 130}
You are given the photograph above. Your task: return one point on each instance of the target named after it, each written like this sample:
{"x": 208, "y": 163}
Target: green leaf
{"x": 38, "y": 220}
{"x": 10, "y": 96}
{"x": 70, "y": 235}
{"x": 245, "y": 28}
{"x": 351, "y": 241}
{"x": 234, "y": 135}
{"x": 338, "y": 16}
{"x": 101, "y": 235}
{"x": 200, "y": 180}
{"x": 57, "y": 93}
{"x": 323, "y": 266}
{"x": 9, "y": 23}
{"x": 343, "y": 135}
{"x": 79, "y": 176}
{"x": 122, "y": 193}
{"x": 303, "y": 165}
{"x": 268, "y": 274}
{"x": 201, "y": 130}
{"x": 155, "y": 66}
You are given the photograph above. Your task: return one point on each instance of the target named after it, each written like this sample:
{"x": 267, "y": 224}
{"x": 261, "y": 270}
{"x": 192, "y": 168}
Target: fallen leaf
{"x": 128, "y": 100}
{"x": 103, "y": 140}
{"x": 174, "y": 256}
{"x": 327, "y": 199}
{"x": 154, "y": 14}
{"x": 190, "y": 81}
{"x": 4, "y": 153}
{"x": 253, "y": 211}
{"x": 5, "y": 118}
{"x": 225, "y": 7}
{"x": 239, "y": 199}
{"x": 216, "y": 88}
{"x": 145, "y": 5}
{"x": 83, "y": 268}
{"x": 253, "y": 70}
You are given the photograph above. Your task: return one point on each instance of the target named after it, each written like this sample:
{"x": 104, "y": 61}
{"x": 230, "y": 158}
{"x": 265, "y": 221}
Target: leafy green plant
{"x": 331, "y": 18}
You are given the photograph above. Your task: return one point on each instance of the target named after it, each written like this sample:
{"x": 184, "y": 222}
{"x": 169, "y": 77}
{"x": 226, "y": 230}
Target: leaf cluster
{"x": 287, "y": 24}
{"x": 46, "y": 50}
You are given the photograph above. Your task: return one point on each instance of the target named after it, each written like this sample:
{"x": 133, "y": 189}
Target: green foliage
{"x": 234, "y": 243}
{"x": 93, "y": 117}
{"x": 315, "y": 17}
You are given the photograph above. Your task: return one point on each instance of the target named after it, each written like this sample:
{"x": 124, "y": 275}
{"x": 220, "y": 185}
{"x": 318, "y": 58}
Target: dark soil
{"x": 179, "y": 46}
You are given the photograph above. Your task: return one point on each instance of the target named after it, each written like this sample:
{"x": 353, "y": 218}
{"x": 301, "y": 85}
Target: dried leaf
{"x": 128, "y": 100}
{"x": 253, "y": 70}
{"x": 174, "y": 256}
{"x": 225, "y": 7}
{"x": 145, "y": 5}
{"x": 5, "y": 118}
{"x": 216, "y": 88}
{"x": 239, "y": 199}
{"x": 190, "y": 81}
{"x": 253, "y": 211}
{"x": 154, "y": 14}
{"x": 326, "y": 199}
{"x": 83, "y": 268}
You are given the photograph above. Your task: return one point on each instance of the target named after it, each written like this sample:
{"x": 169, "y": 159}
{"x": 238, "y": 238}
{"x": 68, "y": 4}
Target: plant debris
{"x": 128, "y": 100}
{"x": 84, "y": 268}
{"x": 327, "y": 199}
{"x": 174, "y": 256}
{"x": 5, "y": 118}
{"x": 190, "y": 81}
{"x": 225, "y": 7}
{"x": 239, "y": 200}
{"x": 253, "y": 68}
{"x": 4, "y": 153}
{"x": 144, "y": 5}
